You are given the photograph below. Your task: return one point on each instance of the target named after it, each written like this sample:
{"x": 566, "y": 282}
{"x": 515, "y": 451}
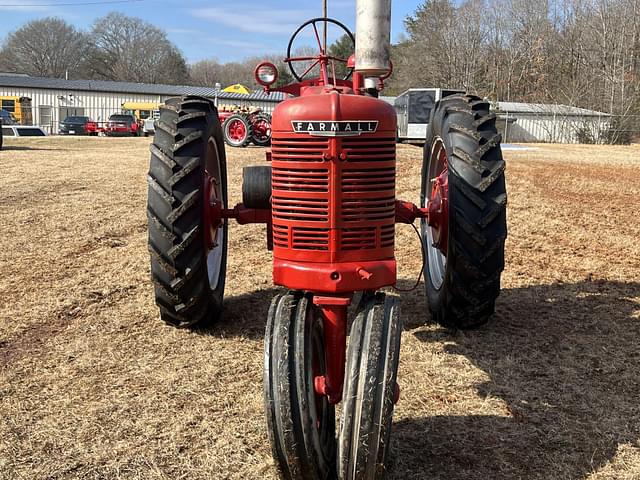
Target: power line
{"x": 78, "y": 4}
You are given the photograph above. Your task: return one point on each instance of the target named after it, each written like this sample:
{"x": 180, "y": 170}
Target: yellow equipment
{"x": 237, "y": 88}
{"x": 19, "y": 107}
{"x": 141, "y": 110}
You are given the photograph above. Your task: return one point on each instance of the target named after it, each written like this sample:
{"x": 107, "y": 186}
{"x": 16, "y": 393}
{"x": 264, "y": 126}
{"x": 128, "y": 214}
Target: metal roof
{"x": 547, "y": 108}
{"x": 21, "y": 81}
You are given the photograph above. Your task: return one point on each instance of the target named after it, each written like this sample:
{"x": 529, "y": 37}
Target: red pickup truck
{"x": 122, "y": 124}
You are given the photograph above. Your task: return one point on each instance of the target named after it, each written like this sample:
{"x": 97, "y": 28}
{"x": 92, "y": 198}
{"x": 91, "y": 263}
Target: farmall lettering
{"x": 328, "y": 128}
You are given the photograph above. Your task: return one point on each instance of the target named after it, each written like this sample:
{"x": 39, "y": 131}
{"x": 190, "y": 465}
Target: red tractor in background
{"x": 328, "y": 201}
{"x": 241, "y": 126}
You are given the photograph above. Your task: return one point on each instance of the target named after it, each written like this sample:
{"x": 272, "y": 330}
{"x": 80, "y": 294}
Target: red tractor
{"x": 241, "y": 126}
{"x": 329, "y": 202}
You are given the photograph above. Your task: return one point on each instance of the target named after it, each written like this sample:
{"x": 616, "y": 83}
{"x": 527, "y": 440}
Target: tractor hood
{"x": 332, "y": 114}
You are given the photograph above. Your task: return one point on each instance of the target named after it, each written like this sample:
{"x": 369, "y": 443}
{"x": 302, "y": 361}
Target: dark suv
{"x": 78, "y": 126}
{"x": 122, "y": 124}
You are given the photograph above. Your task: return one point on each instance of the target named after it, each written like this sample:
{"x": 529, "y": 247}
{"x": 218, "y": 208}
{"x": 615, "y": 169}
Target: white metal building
{"x": 53, "y": 99}
{"x": 538, "y": 122}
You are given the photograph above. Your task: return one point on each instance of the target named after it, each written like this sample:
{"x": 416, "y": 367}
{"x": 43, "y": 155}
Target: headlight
{"x": 266, "y": 74}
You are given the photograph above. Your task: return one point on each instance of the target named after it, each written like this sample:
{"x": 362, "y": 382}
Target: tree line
{"x": 117, "y": 47}
{"x": 120, "y": 48}
{"x": 577, "y": 52}
{"x": 584, "y": 53}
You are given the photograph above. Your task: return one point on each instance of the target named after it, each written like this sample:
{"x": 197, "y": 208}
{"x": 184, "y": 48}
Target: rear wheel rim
{"x": 439, "y": 223}
{"x": 214, "y": 230}
{"x": 262, "y": 130}
{"x": 236, "y": 131}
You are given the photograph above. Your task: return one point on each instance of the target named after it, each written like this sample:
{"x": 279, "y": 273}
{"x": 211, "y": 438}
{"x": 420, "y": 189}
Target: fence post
{"x": 506, "y": 129}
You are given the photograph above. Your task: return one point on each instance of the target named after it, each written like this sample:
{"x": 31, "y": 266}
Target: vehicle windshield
{"x": 76, "y": 119}
{"x": 30, "y": 132}
{"x": 120, "y": 118}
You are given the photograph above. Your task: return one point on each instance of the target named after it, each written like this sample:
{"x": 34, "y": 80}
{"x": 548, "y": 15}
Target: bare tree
{"x": 206, "y": 73}
{"x": 45, "y": 48}
{"x": 581, "y": 52}
{"x": 130, "y": 49}
{"x": 209, "y": 72}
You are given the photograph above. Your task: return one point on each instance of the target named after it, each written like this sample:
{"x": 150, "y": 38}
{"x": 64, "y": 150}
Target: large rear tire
{"x": 188, "y": 255}
{"x": 237, "y": 130}
{"x": 300, "y": 422}
{"x": 369, "y": 389}
{"x": 261, "y": 125}
{"x": 465, "y": 243}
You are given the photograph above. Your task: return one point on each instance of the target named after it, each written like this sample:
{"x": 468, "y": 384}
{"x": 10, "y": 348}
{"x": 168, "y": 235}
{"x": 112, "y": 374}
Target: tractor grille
{"x": 300, "y": 209}
{"x": 368, "y": 210}
{"x": 365, "y": 181}
{"x": 301, "y": 182}
{"x": 366, "y": 149}
{"x": 368, "y": 200}
{"x": 300, "y": 179}
{"x": 299, "y": 149}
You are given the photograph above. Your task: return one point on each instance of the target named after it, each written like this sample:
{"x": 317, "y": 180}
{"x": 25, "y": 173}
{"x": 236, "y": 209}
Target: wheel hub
{"x": 212, "y": 210}
{"x": 439, "y": 200}
{"x": 262, "y": 130}
{"x": 237, "y": 130}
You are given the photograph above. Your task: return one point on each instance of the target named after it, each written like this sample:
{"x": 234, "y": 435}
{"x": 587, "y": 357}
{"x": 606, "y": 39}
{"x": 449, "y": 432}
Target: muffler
{"x": 373, "y": 37}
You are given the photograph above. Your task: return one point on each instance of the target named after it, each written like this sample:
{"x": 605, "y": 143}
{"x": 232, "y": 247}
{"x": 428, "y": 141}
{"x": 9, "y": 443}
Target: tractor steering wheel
{"x": 323, "y": 57}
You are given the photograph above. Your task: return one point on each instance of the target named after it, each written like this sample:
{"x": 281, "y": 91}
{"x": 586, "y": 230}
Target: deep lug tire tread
{"x": 372, "y": 367}
{"x": 174, "y": 212}
{"x": 477, "y": 211}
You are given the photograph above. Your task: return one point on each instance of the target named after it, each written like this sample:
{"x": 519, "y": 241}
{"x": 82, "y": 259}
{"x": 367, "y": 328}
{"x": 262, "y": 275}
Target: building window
{"x": 45, "y": 112}
{"x": 9, "y": 105}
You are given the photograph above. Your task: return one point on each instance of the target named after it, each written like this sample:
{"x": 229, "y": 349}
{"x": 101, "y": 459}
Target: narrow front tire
{"x": 370, "y": 389}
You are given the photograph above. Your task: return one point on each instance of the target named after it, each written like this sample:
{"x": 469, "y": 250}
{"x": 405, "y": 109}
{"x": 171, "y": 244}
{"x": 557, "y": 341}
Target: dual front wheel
{"x": 301, "y": 422}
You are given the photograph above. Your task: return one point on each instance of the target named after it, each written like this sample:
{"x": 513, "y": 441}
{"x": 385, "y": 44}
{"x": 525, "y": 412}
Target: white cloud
{"x": 257, "y": 48}
{"x": 183, "y": 31}
{"x": 255, "y": 20}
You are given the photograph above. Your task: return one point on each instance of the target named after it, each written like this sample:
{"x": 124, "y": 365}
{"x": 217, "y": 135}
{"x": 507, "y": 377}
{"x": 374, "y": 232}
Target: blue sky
{"x": 227, "y": 30}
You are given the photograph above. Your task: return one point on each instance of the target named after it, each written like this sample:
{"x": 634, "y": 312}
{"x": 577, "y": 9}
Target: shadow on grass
{"x": 244, "y": 315}
{"x": 21, "y": 148}
{"x": 564, "y": 358}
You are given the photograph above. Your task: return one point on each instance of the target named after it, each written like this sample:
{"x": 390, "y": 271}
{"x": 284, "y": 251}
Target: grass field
{"x": 93, "y": 385}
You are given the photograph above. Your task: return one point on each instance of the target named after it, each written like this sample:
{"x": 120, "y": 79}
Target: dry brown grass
{"x": 92, "y": 385}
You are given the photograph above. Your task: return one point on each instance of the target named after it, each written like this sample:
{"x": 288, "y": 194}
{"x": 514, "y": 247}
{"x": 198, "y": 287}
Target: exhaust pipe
{"x": 373, "y": 37}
